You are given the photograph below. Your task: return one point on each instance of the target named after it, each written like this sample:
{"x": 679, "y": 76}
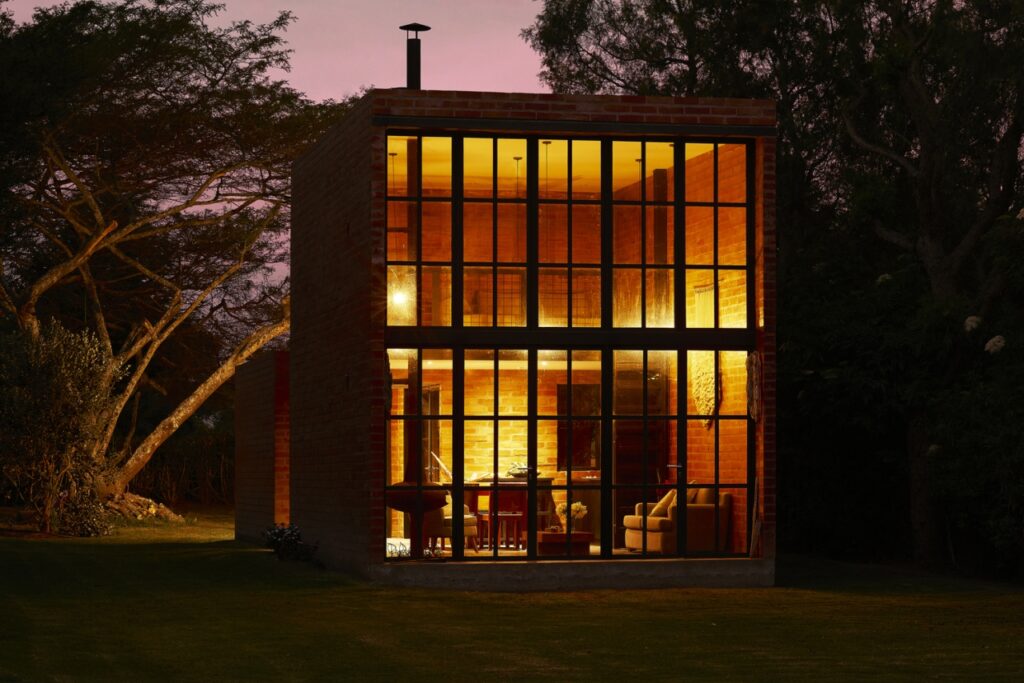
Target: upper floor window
{"x": 584, "y": 217}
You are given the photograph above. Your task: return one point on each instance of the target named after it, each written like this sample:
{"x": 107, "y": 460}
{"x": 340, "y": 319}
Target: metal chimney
{"x": 412, "y": 54}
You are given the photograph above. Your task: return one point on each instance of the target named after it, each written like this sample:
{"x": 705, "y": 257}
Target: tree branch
{"x": 878, "y": 149}
{"x": 245, "y": 349}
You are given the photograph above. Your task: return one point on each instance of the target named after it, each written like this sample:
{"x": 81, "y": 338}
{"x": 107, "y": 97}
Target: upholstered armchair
{"x": 661, "y": 523}
{"x": 437, "y": 525}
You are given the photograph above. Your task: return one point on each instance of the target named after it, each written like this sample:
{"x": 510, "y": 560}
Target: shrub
{"x": 287, "y": 543}
{"x": 54, "y": 390}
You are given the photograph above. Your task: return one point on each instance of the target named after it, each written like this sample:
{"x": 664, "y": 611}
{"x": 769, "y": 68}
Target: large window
{"x": 579, "y": 393}
{"x": 491, "y": 428}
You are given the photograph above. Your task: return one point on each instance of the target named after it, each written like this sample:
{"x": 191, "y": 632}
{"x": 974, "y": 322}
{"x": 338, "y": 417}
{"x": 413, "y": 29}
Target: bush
{"x": 287, "y": 543}
{"x": 54, "y": 390}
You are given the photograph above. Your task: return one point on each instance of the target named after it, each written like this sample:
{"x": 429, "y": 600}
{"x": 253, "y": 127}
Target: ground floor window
{"x": 567, "y": 453}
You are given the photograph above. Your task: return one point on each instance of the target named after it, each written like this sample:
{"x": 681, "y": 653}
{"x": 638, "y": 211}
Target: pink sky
{"x": 342, "y": 45}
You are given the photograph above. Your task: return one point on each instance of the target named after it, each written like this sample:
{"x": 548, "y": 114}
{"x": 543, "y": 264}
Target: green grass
{"x": 188, "y": 603}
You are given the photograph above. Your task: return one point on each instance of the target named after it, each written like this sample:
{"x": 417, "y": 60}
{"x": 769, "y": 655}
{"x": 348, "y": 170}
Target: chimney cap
{"x": 414, "y": 27}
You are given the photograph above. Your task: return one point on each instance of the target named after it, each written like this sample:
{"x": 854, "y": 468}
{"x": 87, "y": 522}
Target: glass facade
{"x": 584, "y": 389}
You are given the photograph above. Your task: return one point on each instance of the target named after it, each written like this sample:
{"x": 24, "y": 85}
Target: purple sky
{"x": 341, "y": 45}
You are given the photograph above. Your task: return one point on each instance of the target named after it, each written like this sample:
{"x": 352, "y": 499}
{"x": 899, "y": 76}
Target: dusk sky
{"x": 344, "y": 45}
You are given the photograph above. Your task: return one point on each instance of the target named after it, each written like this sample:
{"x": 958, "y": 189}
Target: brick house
{"x": 507, "y": 304}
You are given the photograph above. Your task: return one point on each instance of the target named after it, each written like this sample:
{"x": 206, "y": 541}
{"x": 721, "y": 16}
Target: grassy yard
{"x": 188, "y": 603}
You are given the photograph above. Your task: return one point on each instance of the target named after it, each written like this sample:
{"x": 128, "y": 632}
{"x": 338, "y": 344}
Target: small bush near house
{"x": 287, "y": 543}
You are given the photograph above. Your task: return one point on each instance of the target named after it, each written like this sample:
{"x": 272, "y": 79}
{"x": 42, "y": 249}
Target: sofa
{"x": 662, "y": 517}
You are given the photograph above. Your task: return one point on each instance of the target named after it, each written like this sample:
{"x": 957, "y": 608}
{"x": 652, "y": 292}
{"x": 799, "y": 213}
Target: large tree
{"x": 144, "y": 193}
{"x": 900, "y": 130}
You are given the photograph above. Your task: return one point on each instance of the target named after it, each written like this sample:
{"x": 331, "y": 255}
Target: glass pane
{"x": 554, "y": 169}
{"x": 732, "y": 298}
{"x": 586, "y": 381}
{"x": 478, "y": 378}
{"x": 732, "y": 521}
{"x": 437, "y": 167}
{"x": 478, "y": 167}
{"x": 660, "y": 239}
{"x": 552, "y": 367}
{"x": 478, "y": 449}
{"x": 512, "y": 445}
{"x": 626, "y": 297}
{"x": 436, "y": 438}
{"x": 507, "y": 520}
{"x": 628, "y": 390}
{"x": 732, "y": 173}
{"x": 553, "y": 239}
{"x": 477, "y": 304}
{"x": 400, "y": 361}
{"x": 553, "y": 297}
{"x": 661, "y": 382}
{"x": 397, "y": 442}
{"x": 512, "y": 233}
{"x": 512, "y": 168}
{"x": 586, "y": 233}
{"x": 511, "y": 297}
{"x": 436, "y": 296}
{"x": 586, "y": 169}
{"x": 629, "y": 527}
{"x": 513, "y": 387}
{"x": 701, "y": 392}
{"x": 437, "y": 377}
{"x": 659, "y": 297}
{"x": 403, "y": 162}
{"x": 700, "y": 167}
{"x": 437, "y": 231}
{"x": 660, "y": 171}
{"x": 700, "y": 451}
{"x": 547, "y": 449}
{"x": 733, "y": 376}
{"x": 732, "y": 236}
{"x": 628, "y": 446}
{"x": 586, "y": 297}
{"x": 732, "y": 451}
{"x": 700, "y": 235}
{"x": 657, "y": 444}
{"x": 478, "y": 231}
{"x": 401, "y": 295}
{"x": 626, "y": 234}
{"x": 700, "y": 298}
{"x": 402, "y": 230}
{"x": 626, "y": 170}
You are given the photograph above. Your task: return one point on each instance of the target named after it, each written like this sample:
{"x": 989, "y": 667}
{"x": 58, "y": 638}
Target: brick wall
{"x": 336, "y": 341}
{"x": 261, "y": 444}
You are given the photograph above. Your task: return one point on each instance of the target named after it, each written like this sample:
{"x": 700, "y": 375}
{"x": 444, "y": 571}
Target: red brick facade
{"x": 262, "y": 442}
{"x": 338, "y": 384}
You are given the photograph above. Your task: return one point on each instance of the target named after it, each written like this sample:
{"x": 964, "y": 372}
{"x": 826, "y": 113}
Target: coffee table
{"x": 551, "y": 543}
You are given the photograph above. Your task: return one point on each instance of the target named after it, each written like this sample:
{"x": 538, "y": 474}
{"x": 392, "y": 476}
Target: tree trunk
{"x": 115, "y": 482}
{"x": 924, "y": 526}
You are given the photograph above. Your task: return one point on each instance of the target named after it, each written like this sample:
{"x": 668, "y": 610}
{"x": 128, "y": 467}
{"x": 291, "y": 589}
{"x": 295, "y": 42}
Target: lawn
{"x": 185, "y": 602}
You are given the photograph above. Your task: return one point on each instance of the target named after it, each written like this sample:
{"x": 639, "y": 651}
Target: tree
{"x": 900, "y": 142}
{"x": 145, "y": 190}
